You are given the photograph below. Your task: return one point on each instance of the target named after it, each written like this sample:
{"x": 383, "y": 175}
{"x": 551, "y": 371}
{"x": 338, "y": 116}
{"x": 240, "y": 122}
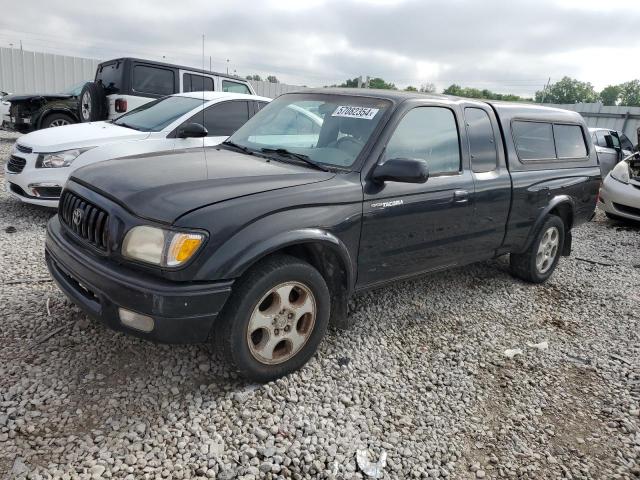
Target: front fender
{"x": 267, "y": 246}
{"x": 555, "y": 202}
{"x": 41, "y": 114}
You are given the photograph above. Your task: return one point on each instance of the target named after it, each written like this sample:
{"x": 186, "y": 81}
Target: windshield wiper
{"x": 239, "y": 147}
{"x": 286, "y": 153}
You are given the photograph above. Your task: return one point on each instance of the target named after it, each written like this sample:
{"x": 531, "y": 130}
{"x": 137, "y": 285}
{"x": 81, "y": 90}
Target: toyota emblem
{"x": 77, "y": 216}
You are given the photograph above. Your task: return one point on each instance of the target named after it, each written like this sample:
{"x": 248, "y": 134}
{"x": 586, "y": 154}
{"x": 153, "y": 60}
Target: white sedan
{"x": 41, "y": 161}
{"x": 620, "y": 191}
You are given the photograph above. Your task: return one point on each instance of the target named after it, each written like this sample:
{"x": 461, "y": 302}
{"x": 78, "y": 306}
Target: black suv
{"x": 258, "y": 243}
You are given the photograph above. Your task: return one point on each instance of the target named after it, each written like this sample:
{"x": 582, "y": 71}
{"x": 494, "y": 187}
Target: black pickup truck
{"x": 258, "y": 243}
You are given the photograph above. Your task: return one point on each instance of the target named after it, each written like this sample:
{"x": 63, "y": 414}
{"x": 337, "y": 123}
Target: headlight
{"x": 621, "y": 172}
{"x": 161, "y": 247}
{"x": 59, "y": 159}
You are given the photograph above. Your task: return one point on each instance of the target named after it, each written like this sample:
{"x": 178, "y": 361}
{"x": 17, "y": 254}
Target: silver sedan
{"x": 620, "y": 191}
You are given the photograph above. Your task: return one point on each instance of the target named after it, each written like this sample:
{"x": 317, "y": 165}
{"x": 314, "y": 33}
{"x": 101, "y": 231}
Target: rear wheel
{"x": 93, "y": 103}
{"x": 57, "y": 120}
{"x": 275, "y": 319}
{"x": 538, "y": 263}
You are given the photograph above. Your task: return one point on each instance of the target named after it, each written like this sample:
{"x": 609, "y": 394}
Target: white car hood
{"x": 90, "y": 134}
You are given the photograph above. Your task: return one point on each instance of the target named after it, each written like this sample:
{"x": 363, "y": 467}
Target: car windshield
{"x": 328, "y": 129}
{"x": 156, "y": 115}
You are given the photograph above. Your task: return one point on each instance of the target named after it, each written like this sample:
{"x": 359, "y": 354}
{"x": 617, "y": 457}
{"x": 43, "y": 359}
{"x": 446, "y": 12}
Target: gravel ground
{"x": 422, "y": 376}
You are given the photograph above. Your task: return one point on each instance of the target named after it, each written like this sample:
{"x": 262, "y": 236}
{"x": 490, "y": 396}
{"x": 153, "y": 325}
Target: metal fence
{"x": 22, "y": 71}
{"x": 621, "y": 118}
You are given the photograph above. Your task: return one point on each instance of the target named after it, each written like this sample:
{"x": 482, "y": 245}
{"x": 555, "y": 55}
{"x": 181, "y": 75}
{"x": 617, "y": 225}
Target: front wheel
{"x": 538, "y": 263}
{"x": 275, "y": 319}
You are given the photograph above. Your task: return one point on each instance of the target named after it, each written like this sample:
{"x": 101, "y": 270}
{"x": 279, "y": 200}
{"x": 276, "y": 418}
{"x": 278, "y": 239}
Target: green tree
{"x": 272, "y": 79}
{"x": 467, "y": 92}
{"x": 410, "y": 89}
{"x": 254, "y": 77}
{"x": 567, "y": 90}
{"x": 380, "y": 83}
{"x": 428, "y": 88}
{"x": 610, "y": 95}
{"x": 630, "y": 93}
{"x": 349, "y": 83}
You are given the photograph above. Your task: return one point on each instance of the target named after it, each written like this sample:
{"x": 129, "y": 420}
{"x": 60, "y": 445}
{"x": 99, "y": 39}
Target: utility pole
{"x": 209, "y": 62}
{"x": 544, "y": 90}
{"x": 227, "y": 66}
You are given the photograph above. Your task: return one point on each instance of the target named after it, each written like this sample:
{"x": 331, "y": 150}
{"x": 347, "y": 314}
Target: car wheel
{"x": 275, "y": 319}
{"x": 92, "y": 105}
{"x": 538, "y": 263}
{"x": 57, "y": 120}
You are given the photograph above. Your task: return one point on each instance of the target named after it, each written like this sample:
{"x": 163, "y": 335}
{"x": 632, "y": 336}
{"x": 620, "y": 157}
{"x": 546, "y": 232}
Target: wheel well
{"x": 334, "y": 271}
{"x": 48, "y": 113}
{"x": 565, "y": 212}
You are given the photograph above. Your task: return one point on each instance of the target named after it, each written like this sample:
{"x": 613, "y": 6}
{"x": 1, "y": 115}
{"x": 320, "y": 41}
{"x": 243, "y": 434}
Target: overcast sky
{"x": 509, "y": 46}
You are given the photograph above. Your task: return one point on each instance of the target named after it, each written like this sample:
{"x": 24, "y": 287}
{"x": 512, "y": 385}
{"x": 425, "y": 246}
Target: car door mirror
{"x": 192, "y": 130}
{"x": 405, "y": 170}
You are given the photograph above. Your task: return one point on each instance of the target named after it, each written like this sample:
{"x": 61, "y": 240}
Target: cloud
{"x": 504, "y": 46}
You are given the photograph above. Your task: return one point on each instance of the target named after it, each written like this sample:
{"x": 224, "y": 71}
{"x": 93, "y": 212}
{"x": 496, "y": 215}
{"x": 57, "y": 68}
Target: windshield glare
{"x": 329, "y": 129}
{"x": 156, "y": 115}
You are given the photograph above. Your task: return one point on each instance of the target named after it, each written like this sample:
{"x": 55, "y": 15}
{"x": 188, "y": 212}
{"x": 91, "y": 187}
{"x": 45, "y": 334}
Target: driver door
{"x": 410, "y": 228}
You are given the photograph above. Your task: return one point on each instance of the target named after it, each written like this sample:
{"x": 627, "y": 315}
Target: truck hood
{"x": 165, "y": 186}
{"x": 32, "y": 96}
{"x": 78, "y": 135}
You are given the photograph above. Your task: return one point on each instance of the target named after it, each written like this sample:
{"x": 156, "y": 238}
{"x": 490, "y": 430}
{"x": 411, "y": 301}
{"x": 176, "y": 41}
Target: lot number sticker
{"x": 355, "y": 112}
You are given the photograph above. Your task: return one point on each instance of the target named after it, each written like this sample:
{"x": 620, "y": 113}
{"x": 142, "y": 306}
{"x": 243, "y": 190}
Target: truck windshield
{"x": 328, "y": 129}
{"x": 156, "y": 115}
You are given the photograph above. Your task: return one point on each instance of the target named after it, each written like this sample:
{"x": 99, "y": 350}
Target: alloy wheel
{"x": 547, "y": 250}
{"x": 281, "y": 323}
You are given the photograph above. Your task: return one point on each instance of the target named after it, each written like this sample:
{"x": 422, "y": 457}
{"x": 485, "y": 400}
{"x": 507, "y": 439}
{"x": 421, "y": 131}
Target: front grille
{"x": 627, "y": 209}
{"x": 90, "y": 223}
{"x": 23, "y": 149}
{"x": 16, "y": 164}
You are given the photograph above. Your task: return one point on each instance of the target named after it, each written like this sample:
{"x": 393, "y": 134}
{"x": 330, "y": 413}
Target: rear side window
{"x": 428, "y": 133}
{"x": 110, "y": 75}
{"x": 223, "y": 119}
{"x": 153, "y": 80}
{"x": 235, "y": 87}
{"x": 196, "y": 83}
{"x": 569, "y": 141}
{"x": 482, "y": 142}
{"x": 534, "y": 140}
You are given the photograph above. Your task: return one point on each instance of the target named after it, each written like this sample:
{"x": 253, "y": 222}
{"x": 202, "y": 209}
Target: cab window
{"x": 430, "y": 134}
{"x": 482, "y": 143}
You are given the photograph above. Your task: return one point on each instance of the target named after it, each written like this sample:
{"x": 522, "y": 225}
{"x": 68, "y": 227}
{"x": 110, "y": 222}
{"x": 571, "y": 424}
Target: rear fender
{"x": 557, "y": 201}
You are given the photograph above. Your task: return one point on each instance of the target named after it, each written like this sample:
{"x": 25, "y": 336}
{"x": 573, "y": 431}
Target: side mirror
{"x": 405, "y": 170}
{"x": 192, "y": 130}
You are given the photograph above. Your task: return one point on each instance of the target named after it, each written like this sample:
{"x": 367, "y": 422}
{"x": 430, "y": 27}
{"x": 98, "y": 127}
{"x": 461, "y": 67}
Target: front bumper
{"x": 39, "y": 186}
{"x": 620, "y": 199}
{"x": 182, "y": 312}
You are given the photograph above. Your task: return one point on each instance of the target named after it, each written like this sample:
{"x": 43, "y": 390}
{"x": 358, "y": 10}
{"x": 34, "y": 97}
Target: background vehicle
{"x": 41, "y": 162}
{"x": 259, "y": 242}
{"x": 620, "y": 191}
{"x": 28, "y": 112}
{"x": 611, "y": 147}
{"x": 4, "y": 107}
{"x": 123, "y": 84}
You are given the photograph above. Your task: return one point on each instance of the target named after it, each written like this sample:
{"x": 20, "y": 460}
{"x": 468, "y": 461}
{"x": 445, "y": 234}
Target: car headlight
{"x": 162, "y": 247}
{"x": 621, "y": 172}
{"x": 59, "y": 159}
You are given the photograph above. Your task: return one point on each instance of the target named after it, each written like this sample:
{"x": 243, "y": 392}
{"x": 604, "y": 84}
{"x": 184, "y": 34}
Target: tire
{"x": 253, "y": 334}
{"x": 527, "y": 265}
{"x": 57, "y": 120}
{"x": 92, "y": 106}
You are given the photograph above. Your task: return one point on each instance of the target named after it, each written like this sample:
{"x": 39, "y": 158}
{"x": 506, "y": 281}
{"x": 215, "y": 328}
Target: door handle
{"x": 461, "y": 196}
